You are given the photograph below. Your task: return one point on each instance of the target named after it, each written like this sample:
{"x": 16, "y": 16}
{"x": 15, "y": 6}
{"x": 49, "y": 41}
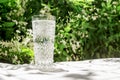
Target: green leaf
{"x": 61, "y": 46}
{"x": 103, "y": 4}
{"x": 67, "y": 29}
{"x": 4, "y": 1}
{"x": 118, "y": 8}
{"x": 8, "y": 24}
{"x": 28, "y": 51}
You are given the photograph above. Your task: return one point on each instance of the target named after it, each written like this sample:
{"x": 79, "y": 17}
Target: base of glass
{"x": 50, "y": 68}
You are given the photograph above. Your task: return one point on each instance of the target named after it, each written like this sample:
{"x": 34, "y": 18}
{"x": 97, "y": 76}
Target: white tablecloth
{"x": 97, "y": 69}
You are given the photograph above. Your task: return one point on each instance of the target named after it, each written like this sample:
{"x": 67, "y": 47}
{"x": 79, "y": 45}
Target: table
{"x": 96, "y": 69}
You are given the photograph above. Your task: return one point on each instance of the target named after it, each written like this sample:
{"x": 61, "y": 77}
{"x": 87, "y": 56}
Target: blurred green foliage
{"x": 12, "y": 21}
{"x": 15, "y": 52}
{"x": 85, "y": 29}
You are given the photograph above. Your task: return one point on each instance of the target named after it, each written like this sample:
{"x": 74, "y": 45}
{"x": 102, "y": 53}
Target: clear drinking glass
{"x": 43, "y": 38}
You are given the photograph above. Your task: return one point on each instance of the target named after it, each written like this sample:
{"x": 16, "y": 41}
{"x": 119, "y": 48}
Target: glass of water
{"x": 43, "y": 38}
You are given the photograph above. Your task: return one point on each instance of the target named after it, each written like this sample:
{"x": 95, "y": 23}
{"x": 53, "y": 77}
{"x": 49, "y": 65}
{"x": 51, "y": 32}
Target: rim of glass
{"x": 43, "y": 17}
